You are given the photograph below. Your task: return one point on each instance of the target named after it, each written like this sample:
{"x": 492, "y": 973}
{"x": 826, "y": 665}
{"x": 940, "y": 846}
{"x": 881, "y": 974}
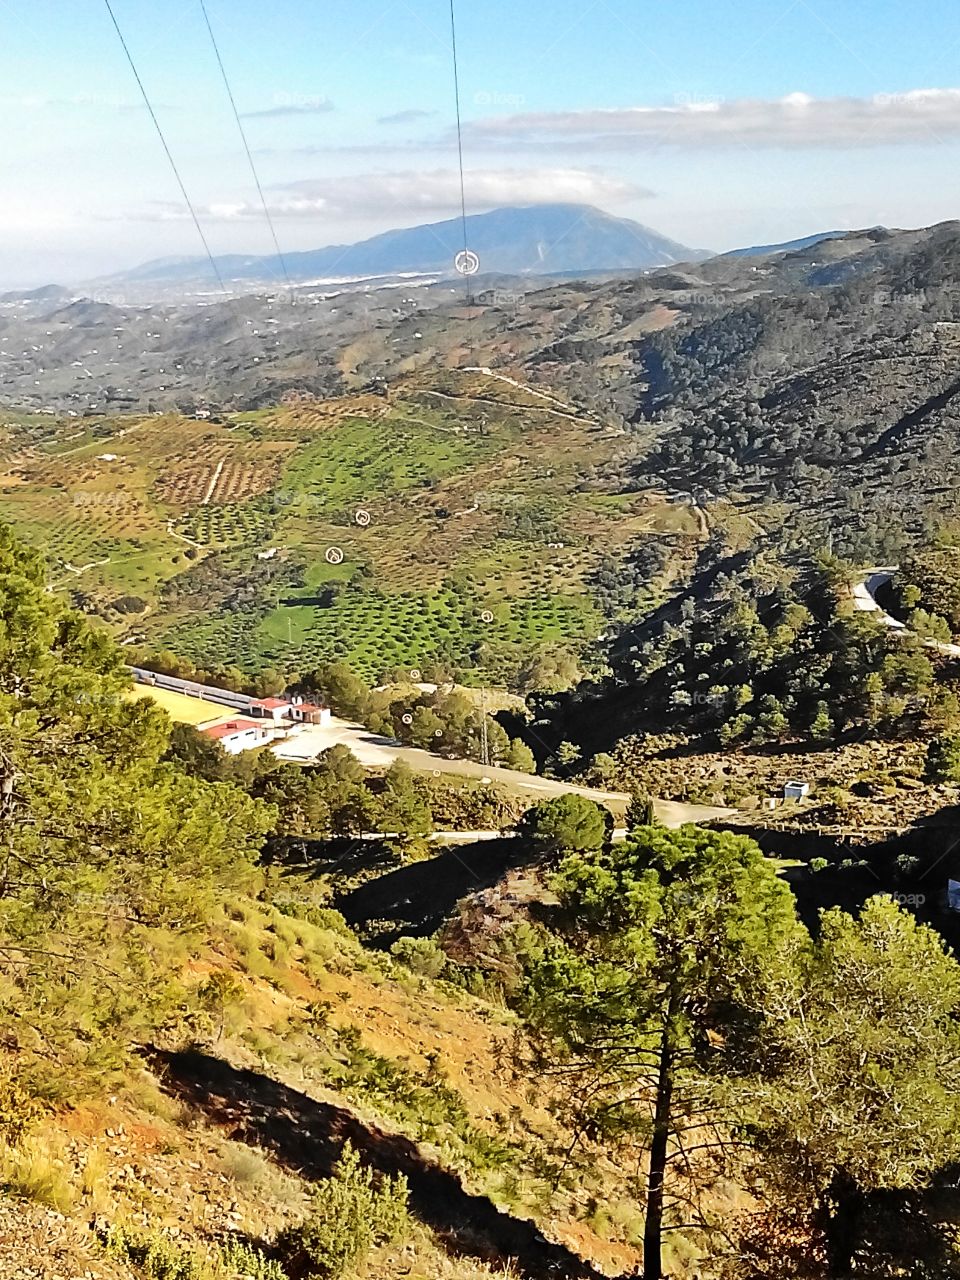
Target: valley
{"x": 577, "y": 564}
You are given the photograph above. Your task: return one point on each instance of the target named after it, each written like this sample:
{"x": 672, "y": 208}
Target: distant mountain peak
{"x": 535, "y": 239}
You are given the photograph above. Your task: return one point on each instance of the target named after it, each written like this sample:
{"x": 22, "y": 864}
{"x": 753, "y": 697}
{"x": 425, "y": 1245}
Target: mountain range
{"x": 546, "y": 239}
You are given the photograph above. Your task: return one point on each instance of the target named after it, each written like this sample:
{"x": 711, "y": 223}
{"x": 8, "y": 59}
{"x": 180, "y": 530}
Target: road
{"x": 865, "y": 599}
{"x": 378, "y": 752}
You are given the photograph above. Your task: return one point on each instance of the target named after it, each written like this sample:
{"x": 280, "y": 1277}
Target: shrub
{"x": 19, "y": 1110}
{"x": 352, "y": 1212}
{"x": 250, "y": 1264}
{"x": 422, "y": 956}
{"x": 157, "y": 1256}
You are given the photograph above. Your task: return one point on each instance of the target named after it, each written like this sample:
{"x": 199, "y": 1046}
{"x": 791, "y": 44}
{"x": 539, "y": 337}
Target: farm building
{"x": 310, "y": 712}
{"x": 296, "y": 709}
{"x": 293, "y": 711}
{"x": 238, "y": 735}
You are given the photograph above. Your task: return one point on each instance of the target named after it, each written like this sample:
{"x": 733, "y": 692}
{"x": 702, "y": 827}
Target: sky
{"x": 719, "y": 123}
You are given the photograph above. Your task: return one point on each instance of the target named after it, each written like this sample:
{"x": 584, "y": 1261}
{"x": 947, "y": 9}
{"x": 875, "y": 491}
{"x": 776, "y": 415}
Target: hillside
{"x": 449, "y": 522}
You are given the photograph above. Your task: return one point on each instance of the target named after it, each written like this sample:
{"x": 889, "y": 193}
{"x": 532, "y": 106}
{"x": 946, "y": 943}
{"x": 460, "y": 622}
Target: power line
{"x": 456, "y": 89}
{"x": 169, "y": 153}
{"x": 246, "y": 146}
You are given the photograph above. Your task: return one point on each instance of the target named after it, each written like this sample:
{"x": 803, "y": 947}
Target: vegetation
{"x": 352, "y": 1212}
{"x": 684, "y": 1013}
{"x": 648, "y": 991}
{"x": 760, "y": 662}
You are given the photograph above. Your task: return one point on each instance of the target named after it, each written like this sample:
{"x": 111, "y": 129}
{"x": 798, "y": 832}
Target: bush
{"x": 157, "y": 1256}
{"x": 422, "y": 956}
{"x": 352, "y": 1211}
{"x": 160, "y": 1258}
{"x": 19, "y": 1110}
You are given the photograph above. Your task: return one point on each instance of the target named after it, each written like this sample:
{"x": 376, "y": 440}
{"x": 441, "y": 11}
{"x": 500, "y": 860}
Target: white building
{"x": 238, "y": 735}
{"x": 794, "y": 790}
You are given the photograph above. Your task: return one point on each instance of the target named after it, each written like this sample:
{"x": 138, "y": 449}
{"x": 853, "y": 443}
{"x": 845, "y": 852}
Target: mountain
{"x": 547, "y": 239}
{"x": 46, "y": 293}
{"x": 788, "y": 246}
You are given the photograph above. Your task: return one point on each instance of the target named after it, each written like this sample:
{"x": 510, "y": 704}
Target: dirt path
{"x": 865, "y": 600}
{"x": 213, "y": 482}
{"x": 378, "y": 752}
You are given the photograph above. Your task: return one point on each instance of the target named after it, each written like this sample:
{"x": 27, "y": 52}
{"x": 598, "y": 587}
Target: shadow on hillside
{"x": 418, "y": 898}
{"x": 306, "y": 1137}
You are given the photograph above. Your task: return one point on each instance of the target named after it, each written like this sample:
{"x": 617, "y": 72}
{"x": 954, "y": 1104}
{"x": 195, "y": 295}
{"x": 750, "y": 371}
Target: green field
{"x": 427, "y": 528}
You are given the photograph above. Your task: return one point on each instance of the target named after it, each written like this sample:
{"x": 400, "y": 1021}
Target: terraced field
{"x": 449, "y": 522}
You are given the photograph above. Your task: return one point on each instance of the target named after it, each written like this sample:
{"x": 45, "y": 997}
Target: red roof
{"x": 309, "y": 708}
{"x": 229, "y": 728}
{"x": 271, "y": 704}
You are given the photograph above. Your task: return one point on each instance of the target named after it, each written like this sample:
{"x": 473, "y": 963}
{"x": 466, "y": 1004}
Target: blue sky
{"x": 718, "y": 122}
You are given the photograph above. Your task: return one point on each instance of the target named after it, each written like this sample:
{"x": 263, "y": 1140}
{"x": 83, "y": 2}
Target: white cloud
{"x": 797, "y": 120}
{"x": 427, "y": 193}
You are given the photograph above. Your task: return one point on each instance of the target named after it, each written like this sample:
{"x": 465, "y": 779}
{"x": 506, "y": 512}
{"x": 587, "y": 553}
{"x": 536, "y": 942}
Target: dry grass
{"x": 34, "y": 1170}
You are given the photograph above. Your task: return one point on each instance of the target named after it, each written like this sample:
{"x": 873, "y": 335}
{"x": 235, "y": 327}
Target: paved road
{"x": 865, "y": 599}
{"x": 377, "y": 752}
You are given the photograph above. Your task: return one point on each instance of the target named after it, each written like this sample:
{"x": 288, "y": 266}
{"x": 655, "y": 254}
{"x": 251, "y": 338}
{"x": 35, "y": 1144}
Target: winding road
{"x": 865, "y": 599}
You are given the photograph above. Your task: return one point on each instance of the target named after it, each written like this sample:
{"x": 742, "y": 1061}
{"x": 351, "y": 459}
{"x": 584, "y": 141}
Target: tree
{"x": 857, "y": 1106}
{"x": 342, "y": 688}
{"x": 640, "y": 811}
{"x": 647, "y": 990}
{"x": 196, "y": 753}
{"x": 105, "y": 839}
{"x": 567, "y": 822}
{"x": 427, "y": 729}
{"x": 300, "y": 798}
{"x": 822, "y": 728}
{"x": 943, "y": 758}
{"x": 520, "y": 757}
{"x": 568, "y": 753}
{"x": 338, "y": 763}
{"x": 603, "y": 768}
{"x": 403, "y": 809}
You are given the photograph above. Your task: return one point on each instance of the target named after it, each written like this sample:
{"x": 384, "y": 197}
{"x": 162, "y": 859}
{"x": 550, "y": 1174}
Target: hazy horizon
{"x": 748, "y": 124}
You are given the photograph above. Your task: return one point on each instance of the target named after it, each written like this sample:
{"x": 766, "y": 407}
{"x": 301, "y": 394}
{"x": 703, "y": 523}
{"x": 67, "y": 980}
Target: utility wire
{"x": 246, "y": 146}
{"x": 456, "y": 89}
{"x": 169, "y": 153}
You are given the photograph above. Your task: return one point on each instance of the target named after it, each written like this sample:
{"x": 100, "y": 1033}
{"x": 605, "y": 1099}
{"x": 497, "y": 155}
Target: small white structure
{"x": 281, "y": 710}
{"x": 238, "y": 735}
{"x": 268, "y": 554}
{"x": 275, "y": 709}
{"x": 794, "y": 790}
{"x": 310, "y": 712}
